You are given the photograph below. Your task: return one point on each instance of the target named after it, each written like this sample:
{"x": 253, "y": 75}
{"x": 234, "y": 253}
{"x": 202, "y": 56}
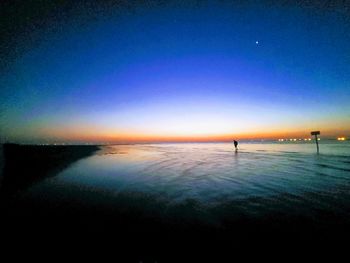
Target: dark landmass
{"x": 26, "y": 164}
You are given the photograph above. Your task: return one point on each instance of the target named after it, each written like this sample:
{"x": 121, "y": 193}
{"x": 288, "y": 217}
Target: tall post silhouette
{"x": 316, "y": 139}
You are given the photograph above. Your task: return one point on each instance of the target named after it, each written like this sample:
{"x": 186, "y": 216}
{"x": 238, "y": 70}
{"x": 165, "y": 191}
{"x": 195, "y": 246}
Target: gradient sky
{"x": 173, "y": 70}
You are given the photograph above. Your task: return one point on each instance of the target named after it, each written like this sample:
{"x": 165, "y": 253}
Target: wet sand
{"x": 142, "y": 227}
{"x": 24, "y": 165}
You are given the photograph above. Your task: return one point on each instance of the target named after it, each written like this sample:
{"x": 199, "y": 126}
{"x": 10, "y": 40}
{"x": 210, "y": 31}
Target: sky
{"x": 124, "y": 71}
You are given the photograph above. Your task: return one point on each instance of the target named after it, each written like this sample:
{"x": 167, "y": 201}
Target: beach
{"x": 205, "y": 194}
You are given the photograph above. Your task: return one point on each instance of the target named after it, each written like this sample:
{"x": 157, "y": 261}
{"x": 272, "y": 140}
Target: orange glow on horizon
{"x": 98, "y": 134}
{"x": 93, "y": 135}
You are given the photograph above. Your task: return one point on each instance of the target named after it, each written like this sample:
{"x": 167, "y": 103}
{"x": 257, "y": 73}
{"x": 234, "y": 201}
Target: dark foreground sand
{"x": 23, "y": 165}
{"x": 38, "y": 227}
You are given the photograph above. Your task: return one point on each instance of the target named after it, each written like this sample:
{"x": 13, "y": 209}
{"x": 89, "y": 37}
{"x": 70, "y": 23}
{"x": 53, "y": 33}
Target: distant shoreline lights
{"x": 294, "y": 140}
{"x": 308, "y": 139}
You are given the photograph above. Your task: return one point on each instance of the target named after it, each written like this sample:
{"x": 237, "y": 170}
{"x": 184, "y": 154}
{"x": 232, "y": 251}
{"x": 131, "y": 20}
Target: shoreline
{"x": 149, "y": 225}
{"x": 24, "y": 165}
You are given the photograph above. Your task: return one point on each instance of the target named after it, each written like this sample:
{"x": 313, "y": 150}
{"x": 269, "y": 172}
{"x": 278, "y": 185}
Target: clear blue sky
{"x": 111, "y": 72}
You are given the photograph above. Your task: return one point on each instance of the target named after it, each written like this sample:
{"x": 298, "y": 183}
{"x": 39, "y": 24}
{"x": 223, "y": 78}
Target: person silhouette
{"x": 236, "y": 144}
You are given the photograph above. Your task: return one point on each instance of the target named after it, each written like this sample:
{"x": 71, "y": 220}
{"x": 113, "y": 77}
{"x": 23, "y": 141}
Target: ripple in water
{"x": 212, "y": 177}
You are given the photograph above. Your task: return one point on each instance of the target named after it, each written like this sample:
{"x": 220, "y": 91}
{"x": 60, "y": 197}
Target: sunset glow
{"x": 178, "y": 73}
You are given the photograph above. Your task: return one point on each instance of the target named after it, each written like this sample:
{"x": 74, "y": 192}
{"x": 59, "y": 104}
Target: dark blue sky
{"x": 175, "y": 69}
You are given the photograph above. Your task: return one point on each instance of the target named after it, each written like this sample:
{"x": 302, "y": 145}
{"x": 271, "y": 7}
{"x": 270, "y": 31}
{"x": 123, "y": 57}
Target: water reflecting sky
{"x": 262, "y": 177}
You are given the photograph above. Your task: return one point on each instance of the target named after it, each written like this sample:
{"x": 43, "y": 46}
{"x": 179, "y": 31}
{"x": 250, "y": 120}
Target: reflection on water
{"x": 259, "y": 178}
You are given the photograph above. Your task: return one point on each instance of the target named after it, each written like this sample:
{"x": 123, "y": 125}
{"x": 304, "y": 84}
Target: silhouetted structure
{"x": 316, "y": 139}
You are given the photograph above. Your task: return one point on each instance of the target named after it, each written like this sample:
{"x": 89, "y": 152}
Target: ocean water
{"x": 209, "y": 180}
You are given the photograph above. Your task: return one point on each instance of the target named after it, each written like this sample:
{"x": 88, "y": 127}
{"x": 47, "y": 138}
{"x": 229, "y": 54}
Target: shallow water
{"x": 258, "y": 179}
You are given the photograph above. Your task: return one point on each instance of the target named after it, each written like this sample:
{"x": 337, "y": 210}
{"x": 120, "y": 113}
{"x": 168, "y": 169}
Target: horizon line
{"x": 120, "y": 142}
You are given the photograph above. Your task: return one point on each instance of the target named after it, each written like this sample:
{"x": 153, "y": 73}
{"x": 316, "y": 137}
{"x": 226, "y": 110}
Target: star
{"x": 257, "y": 42}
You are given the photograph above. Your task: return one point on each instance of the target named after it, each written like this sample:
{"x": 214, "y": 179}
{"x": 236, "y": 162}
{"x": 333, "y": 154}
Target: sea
{"x": 209, "y": 182}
